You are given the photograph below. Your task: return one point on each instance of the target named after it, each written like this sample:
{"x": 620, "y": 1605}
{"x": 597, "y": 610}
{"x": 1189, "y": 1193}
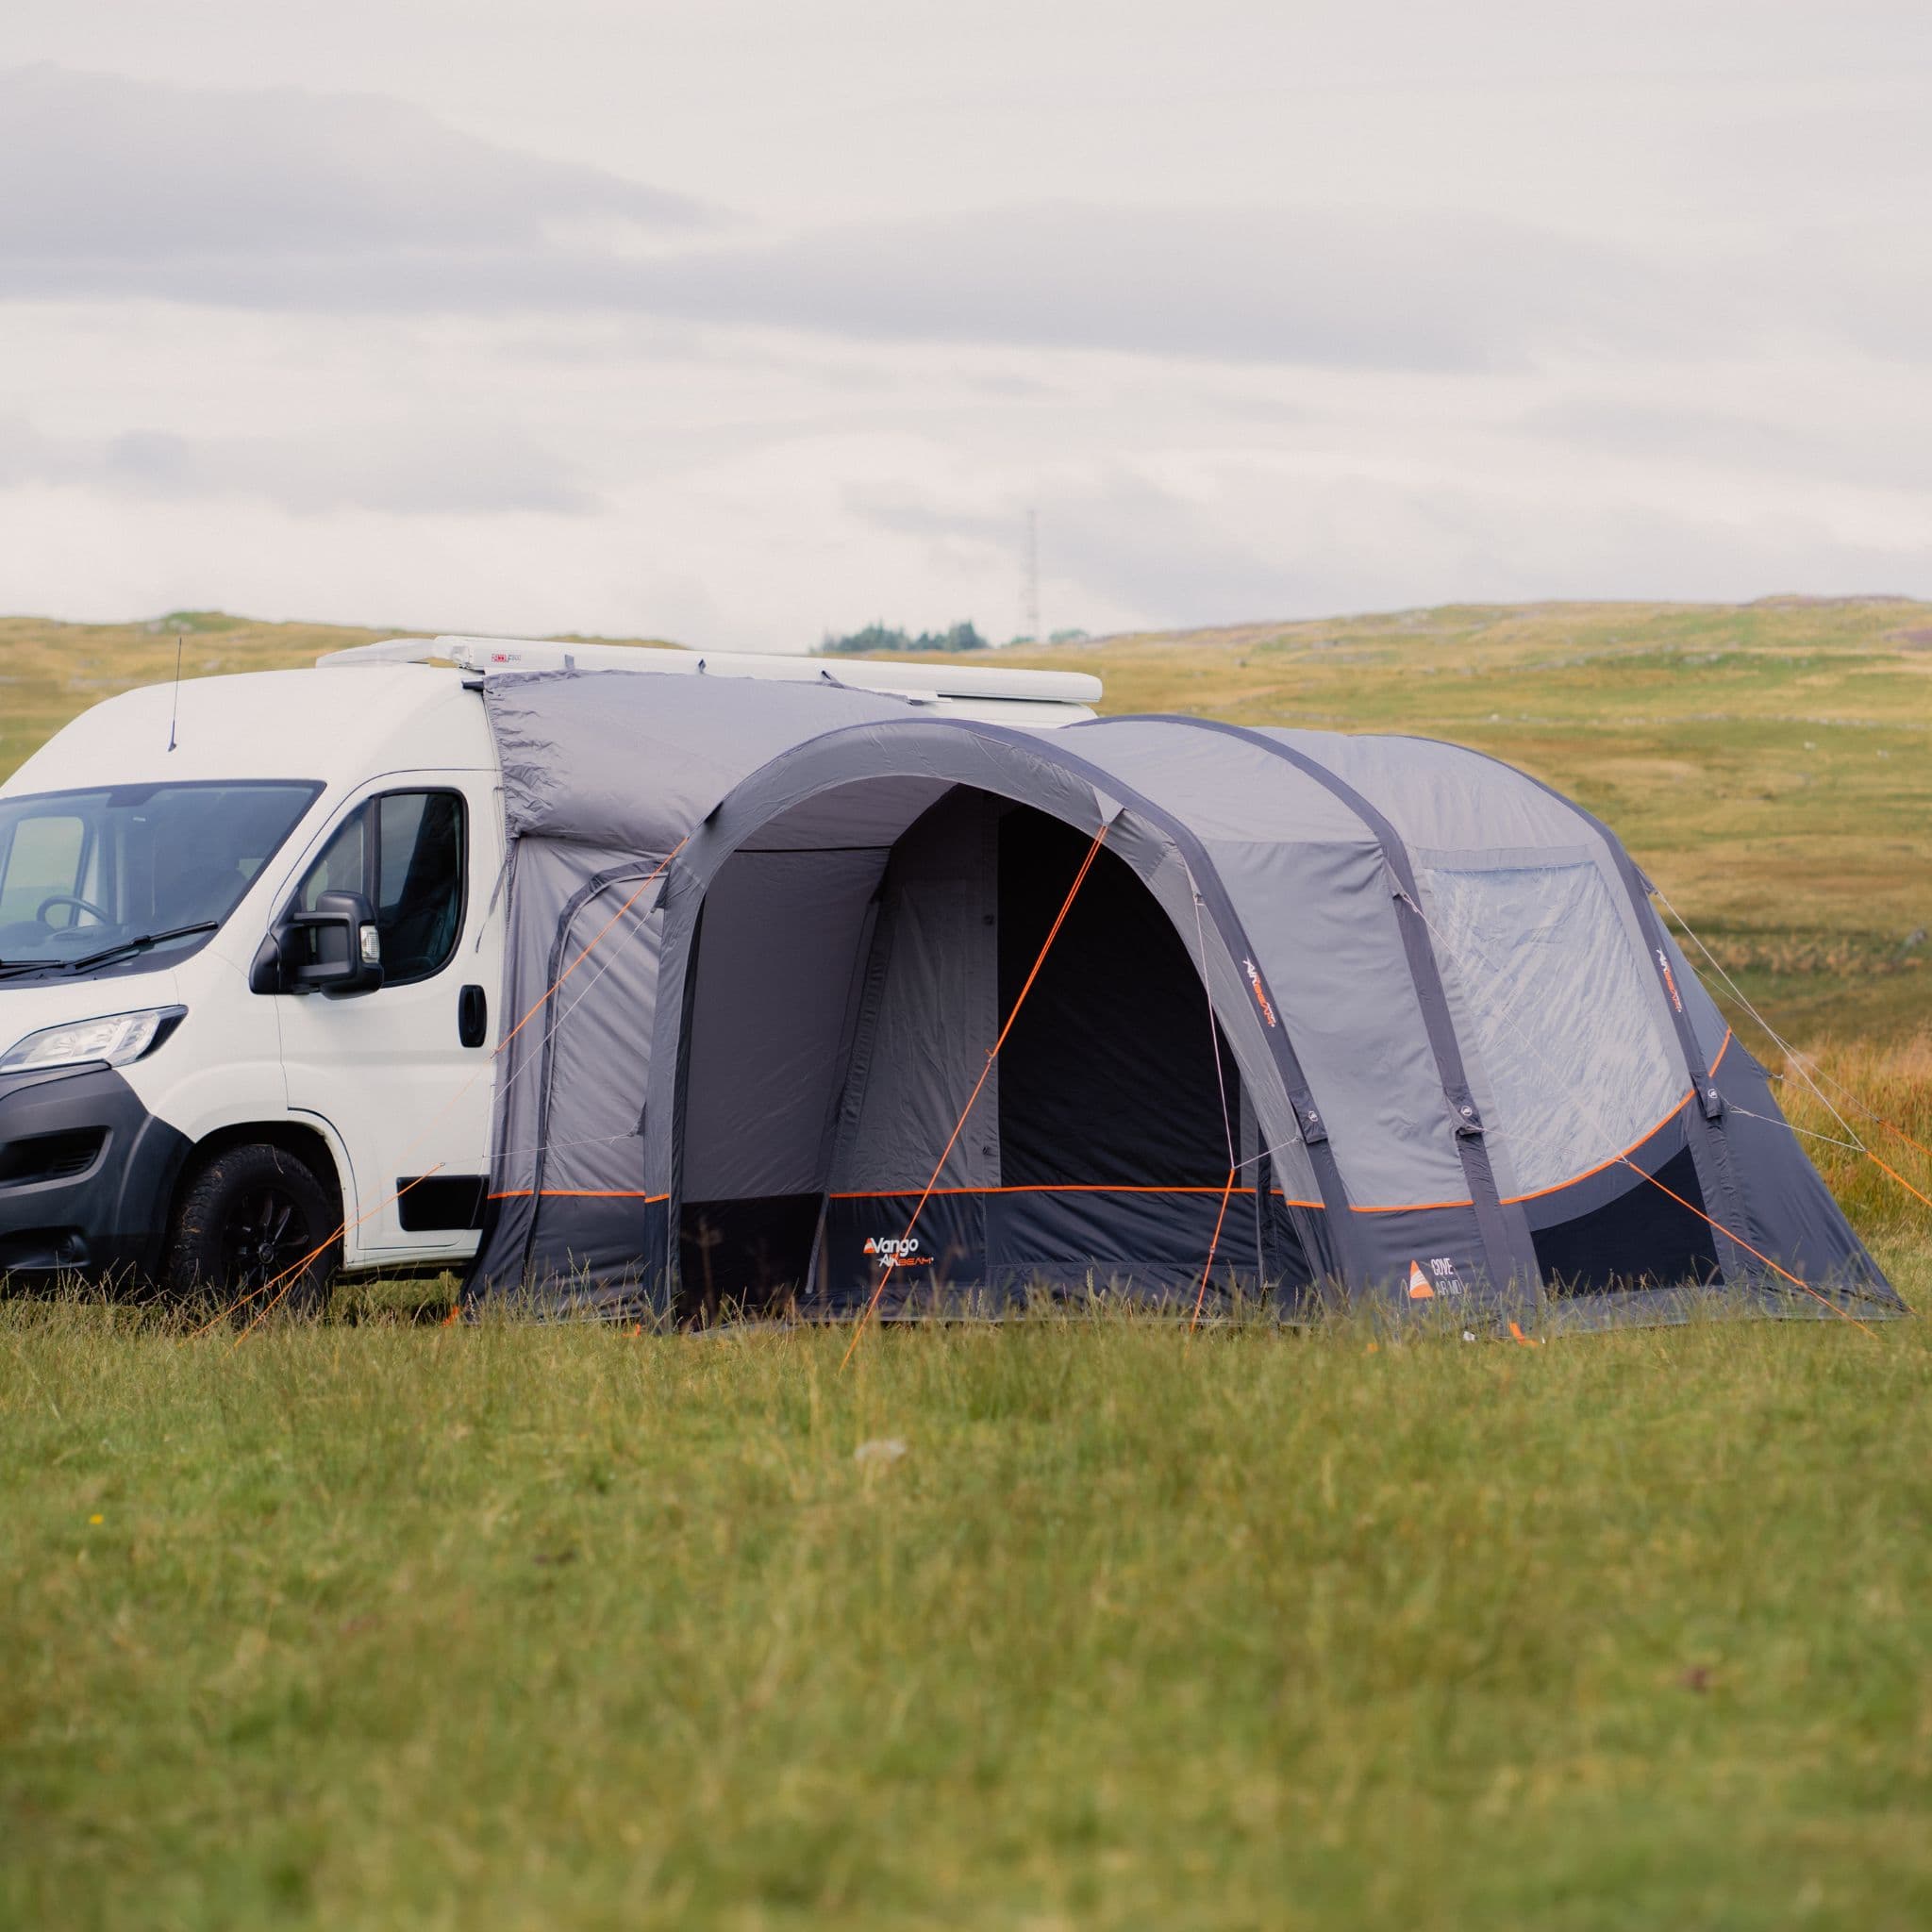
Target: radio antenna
{"x": 174, "y": 713}
{"x": 1032, "y": 582}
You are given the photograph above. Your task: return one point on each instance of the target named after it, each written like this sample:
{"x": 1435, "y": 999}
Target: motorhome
{"x": 251, "y": 949}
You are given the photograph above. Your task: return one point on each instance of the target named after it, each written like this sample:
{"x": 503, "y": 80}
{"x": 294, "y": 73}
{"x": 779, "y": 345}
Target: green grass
{"x": 371, "y": 1624}
{"x": 518, "y": 1627}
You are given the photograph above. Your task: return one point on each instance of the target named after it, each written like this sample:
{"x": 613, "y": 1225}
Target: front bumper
{"x": 86, "y": 1175}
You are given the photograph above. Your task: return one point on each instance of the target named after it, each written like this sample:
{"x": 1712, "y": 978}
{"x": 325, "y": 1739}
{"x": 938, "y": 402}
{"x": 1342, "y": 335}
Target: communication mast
{"x": 1032, "y": 577}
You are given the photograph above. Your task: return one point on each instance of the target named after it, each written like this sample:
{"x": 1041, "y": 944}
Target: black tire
{"x": 246, "y": 1218}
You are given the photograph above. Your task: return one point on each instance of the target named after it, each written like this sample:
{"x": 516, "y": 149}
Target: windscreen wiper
{"x": 141, "y": 944}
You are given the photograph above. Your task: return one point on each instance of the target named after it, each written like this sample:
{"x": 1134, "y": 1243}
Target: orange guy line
{"x": 979, "y": 1086}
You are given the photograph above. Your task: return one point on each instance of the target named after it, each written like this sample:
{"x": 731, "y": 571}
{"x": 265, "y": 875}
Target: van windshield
{"x": 97, "y": 881}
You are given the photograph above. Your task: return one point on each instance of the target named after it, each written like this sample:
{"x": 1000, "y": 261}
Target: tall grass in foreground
{"x": 1853, "y": 1089}
{"x": 500, "y": 1626}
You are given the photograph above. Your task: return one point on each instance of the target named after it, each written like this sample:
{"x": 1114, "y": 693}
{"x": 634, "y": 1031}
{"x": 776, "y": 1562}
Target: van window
{"x": 44, "y": 859}
{"x": 404, "y": 852}
{"x": 143, "y": 863}
{"x": 343, "y": 865}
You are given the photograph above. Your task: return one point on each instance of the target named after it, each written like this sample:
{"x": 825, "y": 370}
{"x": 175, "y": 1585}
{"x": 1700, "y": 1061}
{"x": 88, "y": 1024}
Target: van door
{"x": 402, "y": 1074}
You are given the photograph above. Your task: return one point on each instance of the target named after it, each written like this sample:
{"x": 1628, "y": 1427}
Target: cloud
{"x": 1116, "y": 537}
{"x": 1867, "y": 443}
{"x": 1374, "y": 289}
{"x": 321, "y": 353}
{"x": 125, "y": 184}
{"x": 284, "y": 200}
{"x": 437, "y": 470}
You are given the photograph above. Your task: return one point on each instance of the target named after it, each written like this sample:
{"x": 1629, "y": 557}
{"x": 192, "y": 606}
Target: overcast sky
{"x": 741, "y": 320}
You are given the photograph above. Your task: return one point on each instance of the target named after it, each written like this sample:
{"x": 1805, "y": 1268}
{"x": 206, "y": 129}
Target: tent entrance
{"x": 844, "y": 1003}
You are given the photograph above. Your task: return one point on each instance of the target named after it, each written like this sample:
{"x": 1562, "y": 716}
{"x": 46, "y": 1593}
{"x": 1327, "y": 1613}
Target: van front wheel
{"x": 255, "y": 1227}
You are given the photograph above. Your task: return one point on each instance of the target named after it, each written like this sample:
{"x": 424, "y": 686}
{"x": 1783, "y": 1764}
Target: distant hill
{"x": 1769, "y": 763}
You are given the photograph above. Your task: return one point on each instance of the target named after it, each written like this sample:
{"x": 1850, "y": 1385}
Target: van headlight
{"x": 113, "y": 1041}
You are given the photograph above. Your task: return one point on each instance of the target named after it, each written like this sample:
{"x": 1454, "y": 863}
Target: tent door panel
{"x": 780, "y": 943}
{"x": 856, "y": 1043}
{"x": 930, "y": 1016}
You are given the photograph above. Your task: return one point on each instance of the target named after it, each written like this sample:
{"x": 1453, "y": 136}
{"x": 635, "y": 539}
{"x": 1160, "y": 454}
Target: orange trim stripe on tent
{"x": 1615, "y": 1159}
{"x": 578, "y": 1194}
{"x": 1033, "y": 1187}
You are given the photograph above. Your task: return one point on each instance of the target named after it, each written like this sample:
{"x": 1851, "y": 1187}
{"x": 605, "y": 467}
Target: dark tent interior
{"x": 1637, "y": 1237}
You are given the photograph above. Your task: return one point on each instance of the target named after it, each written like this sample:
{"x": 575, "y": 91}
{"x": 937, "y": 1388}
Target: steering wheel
{"x": 105, "y": 917}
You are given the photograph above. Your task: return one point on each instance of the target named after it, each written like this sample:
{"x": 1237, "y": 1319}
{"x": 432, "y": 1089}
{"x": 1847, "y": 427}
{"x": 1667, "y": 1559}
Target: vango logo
{"x": 1261, "y": 998}
{"x": 900, "y": 1249}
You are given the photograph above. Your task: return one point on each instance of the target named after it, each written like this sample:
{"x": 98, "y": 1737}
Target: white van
{"x": 250, "y": 951}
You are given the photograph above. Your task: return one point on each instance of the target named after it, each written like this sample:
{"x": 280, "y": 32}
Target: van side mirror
{"x": 336, "y": 949}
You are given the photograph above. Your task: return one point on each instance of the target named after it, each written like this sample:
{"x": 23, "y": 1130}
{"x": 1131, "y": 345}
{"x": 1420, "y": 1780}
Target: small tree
{"x": 877, "y": 638}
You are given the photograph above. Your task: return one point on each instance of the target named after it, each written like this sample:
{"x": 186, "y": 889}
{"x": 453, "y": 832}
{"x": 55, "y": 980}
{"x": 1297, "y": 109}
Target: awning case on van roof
{"x": 1036, "y": 695}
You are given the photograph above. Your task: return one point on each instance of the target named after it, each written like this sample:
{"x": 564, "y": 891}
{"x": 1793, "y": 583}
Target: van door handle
{"x": 473, "y": 1015}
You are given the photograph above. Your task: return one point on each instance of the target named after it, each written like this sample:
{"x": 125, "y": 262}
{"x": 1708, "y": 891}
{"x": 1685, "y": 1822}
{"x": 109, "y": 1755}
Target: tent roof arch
{"x": 1443, "y": 795}
{"x": 807, "y": 793}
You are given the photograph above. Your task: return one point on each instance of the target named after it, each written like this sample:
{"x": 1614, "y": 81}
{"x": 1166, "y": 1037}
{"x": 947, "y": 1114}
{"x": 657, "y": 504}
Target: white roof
{"x": 267, "y": 724}
{"x": 979, "y": 682}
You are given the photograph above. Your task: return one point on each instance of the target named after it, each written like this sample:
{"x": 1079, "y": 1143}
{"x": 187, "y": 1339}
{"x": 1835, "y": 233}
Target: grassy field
{"x": 366, "y": 1627}
{"x": 368, "y": 1624}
